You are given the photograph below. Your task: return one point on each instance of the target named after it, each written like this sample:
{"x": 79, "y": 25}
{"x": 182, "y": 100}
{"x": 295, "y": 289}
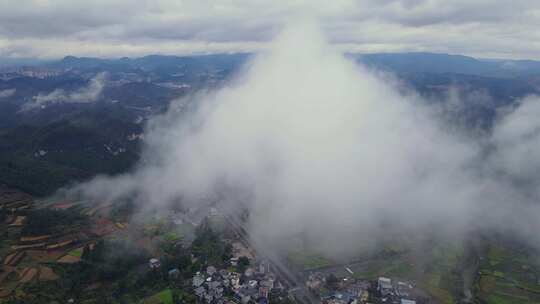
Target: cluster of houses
{"x": 398, "y": 293}
{"x": 254, "y": 285}
{"x": 353, "y": 291}
{"x": 348, "y": 290}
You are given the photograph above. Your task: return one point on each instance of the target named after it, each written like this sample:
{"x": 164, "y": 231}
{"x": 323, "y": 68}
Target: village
{"x": 257, "y": 285}
{"x": 347, "y": 290}
{"x": 169, "y": 258}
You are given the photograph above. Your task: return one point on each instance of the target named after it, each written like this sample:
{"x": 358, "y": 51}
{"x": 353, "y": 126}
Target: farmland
{"x": 509, "y": 274}
{"x": 94, "y": 252}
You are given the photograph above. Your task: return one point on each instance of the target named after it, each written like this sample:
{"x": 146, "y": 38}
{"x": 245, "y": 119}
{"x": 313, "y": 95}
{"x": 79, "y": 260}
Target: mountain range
{"x": 67, "y": 120}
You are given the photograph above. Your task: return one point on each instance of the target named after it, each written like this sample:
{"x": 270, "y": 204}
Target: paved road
{"x": 294, "y": 282}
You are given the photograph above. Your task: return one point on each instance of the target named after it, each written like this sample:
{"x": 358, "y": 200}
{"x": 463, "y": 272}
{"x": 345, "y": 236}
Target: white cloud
{"x": 314, "y": 145}
{"x": 89, "y": 93}
{"x": 7, "y": 93}
{"x": 517, "y": 138}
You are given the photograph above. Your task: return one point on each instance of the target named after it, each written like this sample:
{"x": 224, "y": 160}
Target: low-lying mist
{"x": 86, "y": 94}
{"x": 315, "y": 145}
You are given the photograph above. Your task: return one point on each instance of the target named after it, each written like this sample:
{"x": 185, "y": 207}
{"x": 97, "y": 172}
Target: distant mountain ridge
{"x": 446, "y": 63}
{"x": 411, "y": 62}
{"x": 414, "y": 62}
{"x": 152, "y": 61}
{"x": 62, "y": 141}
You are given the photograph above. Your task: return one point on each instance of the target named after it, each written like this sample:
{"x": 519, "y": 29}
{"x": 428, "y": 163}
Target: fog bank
{"x": 315, "y": 145}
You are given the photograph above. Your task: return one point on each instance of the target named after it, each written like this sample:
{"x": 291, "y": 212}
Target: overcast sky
{"x": 116, "y": 28}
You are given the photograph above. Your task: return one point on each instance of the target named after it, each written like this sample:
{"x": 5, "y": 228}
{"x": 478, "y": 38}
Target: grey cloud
{"x": 470, "y": 27}
{"x": 427, "y": 12}
{"x": 60, "y": 18}
{"x": 217, "y": 30}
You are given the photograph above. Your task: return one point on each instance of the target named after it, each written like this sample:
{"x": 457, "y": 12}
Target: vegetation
{"x": 51, "y": 221}
{"x": 35, "y": 176}
{"x": 509, "y": 274}
{"x": 243, "y": 264}
{"x": 210, "y": 248}
{"x": 308, "y": 260}
{"x": 76, "y": 253}
{"x": 332, "y": 281}
{"x": 163, "y": 297}
{"x": 74, "y": 149}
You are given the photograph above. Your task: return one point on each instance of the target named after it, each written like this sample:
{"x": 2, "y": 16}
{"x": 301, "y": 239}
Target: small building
{"x": 198, "y": 279}
{"x": 226, "y": 283}
{"x": 174, "y": 273}
{"x": 405, "y": 301}
{"x": 315, "y": 280}
{"x": 364, "y": 296}
{"x": 214, "y": 285}
{"x": 200, "y": 291}
{"x": 263, "y": 292}
{"x": 403, "y": 289}
{"x": 224, "y": 274}
{"x": 235, "y": 279}
{"x": 213, "y": 212}
{"x": 268, "y": 283}
{"x": 209, "y": 297}
{"x": 211, "y": 270}
{"x": 242, "y": 296}
{"x": 154, "y": 263}
{"x": 219, "y": 292}
{"x": 384, "y": 286}
{"x": 264, "y": 267}
{"x": 343, "y": 296}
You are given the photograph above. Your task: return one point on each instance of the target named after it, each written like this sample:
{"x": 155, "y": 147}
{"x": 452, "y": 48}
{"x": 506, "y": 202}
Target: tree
{"x": 332, "y": 281}
{"x": 208, "y": 246}
{"x": 243, "y": 263}
{"x": 227, "y": 253}
{"x": 49, "y": 221}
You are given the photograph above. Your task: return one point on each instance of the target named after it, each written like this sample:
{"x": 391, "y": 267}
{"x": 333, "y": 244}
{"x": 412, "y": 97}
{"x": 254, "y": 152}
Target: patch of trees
{"x": 123, "y": 211}
{"x": 75, "y": 151}
{"x": 110, "y": 260}
{"x": 332, "y": 282}
{"x": 35, "y": 176}
{"x": 243, "y": 263}
{"x": 280, "y": 299}
{"x": 50, "y": 221}
{"x": 209, "y": 247}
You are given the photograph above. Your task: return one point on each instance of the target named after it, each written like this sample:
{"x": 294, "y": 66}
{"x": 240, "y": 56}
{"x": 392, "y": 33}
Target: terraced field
{"x": 509, "y": 275}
